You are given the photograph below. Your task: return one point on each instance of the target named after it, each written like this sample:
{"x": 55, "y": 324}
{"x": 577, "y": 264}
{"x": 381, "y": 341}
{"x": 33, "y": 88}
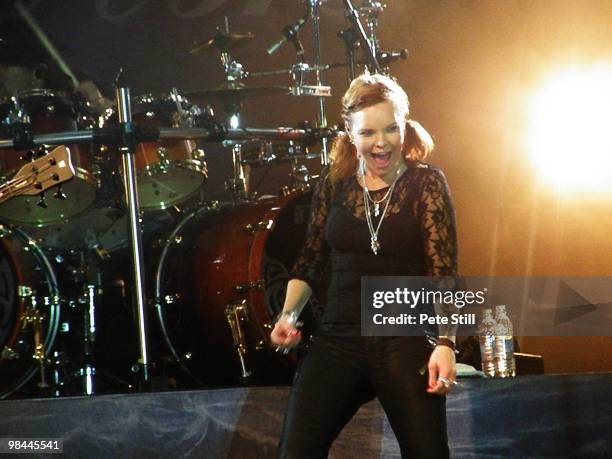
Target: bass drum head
{"x": 27, "y": 280}
{"x": 221, "y": 280}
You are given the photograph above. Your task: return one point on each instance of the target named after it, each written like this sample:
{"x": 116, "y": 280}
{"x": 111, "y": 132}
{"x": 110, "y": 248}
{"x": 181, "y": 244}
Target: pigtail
{"x": 418, "y": 143}
{"x": 343, "y": 158}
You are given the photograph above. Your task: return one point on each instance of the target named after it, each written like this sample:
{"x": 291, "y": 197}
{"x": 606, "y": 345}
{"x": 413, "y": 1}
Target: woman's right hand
{"x": 285, "y": 334}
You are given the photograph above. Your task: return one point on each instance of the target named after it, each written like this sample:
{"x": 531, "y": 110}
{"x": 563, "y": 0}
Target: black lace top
{"x": 417, "y": 238}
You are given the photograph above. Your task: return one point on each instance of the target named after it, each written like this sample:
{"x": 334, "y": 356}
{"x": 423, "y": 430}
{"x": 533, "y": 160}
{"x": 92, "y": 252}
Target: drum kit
{"x": 122, "y": 240}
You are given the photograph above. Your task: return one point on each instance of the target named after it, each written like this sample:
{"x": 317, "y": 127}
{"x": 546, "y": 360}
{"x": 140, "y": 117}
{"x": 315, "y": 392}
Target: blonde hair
{"x": 364, "y": 91}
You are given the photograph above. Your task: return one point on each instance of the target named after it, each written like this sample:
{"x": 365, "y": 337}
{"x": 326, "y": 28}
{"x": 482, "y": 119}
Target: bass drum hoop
{"x": 268, "y": 212}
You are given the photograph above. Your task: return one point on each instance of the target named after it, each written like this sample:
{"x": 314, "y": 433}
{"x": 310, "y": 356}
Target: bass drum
{"x": 29, "y": 310}
{"x": 221, "y": 280}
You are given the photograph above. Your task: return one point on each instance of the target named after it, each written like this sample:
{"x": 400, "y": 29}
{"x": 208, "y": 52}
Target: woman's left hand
{"x": 442, "y": 370}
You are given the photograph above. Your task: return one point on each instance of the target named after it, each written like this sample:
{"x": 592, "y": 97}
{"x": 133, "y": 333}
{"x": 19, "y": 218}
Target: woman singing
{"x": 379, "y": 211}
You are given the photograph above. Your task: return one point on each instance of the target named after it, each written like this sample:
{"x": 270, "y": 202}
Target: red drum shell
{"x": 221, "y": 258}
{"x": 169, "y": 171}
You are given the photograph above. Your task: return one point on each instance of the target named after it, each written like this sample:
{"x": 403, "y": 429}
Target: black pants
{"x": 339, "y": 374}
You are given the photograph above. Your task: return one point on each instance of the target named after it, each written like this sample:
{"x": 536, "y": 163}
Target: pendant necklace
{"x": 377, "y": 203}
{"x": 374, "y": 243}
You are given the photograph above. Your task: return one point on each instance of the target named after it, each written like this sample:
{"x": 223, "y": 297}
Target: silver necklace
{"x": 376, "y": 203}
{"x": 374, "y": 243}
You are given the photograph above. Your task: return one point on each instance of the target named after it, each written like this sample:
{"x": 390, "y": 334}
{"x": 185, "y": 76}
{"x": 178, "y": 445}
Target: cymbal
{"x": 234, "y": 90}
{"x": 222, "y": 42}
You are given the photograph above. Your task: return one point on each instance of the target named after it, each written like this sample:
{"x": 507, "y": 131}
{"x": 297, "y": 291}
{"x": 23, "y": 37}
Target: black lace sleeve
{"x": 312, "y": 258}
{"x": 438, "y": 226}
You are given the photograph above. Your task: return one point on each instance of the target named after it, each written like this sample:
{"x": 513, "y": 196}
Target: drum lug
{"x": 264, "y": 225}
{"x": 35, "y": 318}
{"x": 23, "y": 291}
{"x": 9, "y": 354}
{"x": 170, "y": 299}
{"x": 258, "y": 286}
{"x": 164, "y": 163}
{"x": 236, "y": 312}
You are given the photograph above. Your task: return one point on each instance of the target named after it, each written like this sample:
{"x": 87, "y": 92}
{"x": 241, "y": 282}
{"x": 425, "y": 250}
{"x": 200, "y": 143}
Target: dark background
{"x": 470, "y": 73}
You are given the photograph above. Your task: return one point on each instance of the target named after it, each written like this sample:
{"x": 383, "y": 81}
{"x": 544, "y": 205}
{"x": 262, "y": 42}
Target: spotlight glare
{"x": 570, "y": 129}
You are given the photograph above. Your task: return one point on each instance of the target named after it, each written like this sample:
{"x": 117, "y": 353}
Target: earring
{"x": 361, "y": 167}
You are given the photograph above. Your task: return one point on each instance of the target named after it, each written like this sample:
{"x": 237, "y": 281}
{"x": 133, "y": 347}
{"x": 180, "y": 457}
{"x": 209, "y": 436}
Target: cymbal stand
{"x": 314, "y": 12}
{"x": 371, "y": 9}
{"x": 370, "y": 51}
{"x": 233, "y": 70}
{"x": 298, "y": 72}
{"x": 238, "y": 185}
{"x": 350, "y": 41}
{"x": 127, "y": 147}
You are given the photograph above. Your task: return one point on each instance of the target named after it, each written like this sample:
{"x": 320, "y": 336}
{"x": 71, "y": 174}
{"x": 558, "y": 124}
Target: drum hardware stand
{"x": 300, "y": 176}
{"x": 32, "y": 316}
{"x": 371, "y": 10}
{"x": 355, "y": 36}
{"x": 58, "y": 365}
{"x": 234, "y": 70}
{"x": 235, "y": 313}
{"x": 350, "y": 41}
{"x": 314, "y": 13}
{"x": 298, "y": 88}
{"x": 179, "y": 107}
{"x": 127, "y": 147}
{"x": 238, "y": 184}
{"x": 88, "y": 371}
{"x": 366, "y": 45}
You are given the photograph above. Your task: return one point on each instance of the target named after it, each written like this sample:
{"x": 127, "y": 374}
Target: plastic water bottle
{"x": 505, "y": 366}
{"x": 486, "y": 338}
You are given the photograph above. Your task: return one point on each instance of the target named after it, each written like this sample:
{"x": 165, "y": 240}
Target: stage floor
{"x": 529, "y": 416}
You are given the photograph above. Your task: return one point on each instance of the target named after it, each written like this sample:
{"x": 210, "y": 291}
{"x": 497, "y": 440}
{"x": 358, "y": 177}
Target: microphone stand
{"x": 349, "y": 38}
{"x": 353, "y": 16}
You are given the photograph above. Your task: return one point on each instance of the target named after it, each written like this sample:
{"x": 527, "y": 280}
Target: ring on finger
{"x": 447, "y": 382}
{"x": 282, "y": 349}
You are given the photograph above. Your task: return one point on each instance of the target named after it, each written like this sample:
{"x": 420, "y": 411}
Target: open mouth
{"x": 381, "y": 159}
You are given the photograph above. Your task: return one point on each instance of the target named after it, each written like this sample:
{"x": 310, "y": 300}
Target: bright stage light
{"x": 570, "y": 131}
